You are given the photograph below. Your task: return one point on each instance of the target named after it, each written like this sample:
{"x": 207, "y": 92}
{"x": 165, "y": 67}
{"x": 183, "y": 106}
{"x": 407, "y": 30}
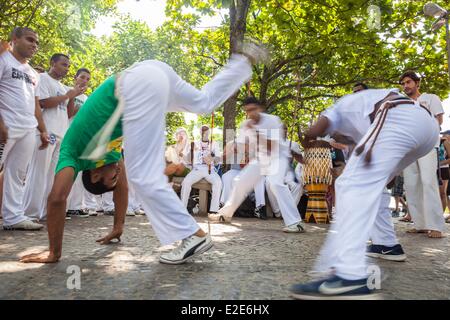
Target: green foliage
{"x": 319, "y": 48}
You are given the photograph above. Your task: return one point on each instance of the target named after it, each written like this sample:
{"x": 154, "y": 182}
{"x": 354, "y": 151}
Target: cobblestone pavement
{"x": 251, "y": 259}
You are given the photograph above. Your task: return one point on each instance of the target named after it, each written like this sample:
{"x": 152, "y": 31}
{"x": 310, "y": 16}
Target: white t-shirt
{"x": 56, "y": 119}
{"x": 349, "y": 116}
{"x": 269, "y": 127}
{"x": 201, "y": 150}
{"x": 432, "y": 103}
{"x": 78, "y": 101}
{"x": 18, "y": 82}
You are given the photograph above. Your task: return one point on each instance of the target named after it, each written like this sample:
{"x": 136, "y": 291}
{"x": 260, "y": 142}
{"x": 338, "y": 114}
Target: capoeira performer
{"x": 421, "y": 182}
{"x": 54, "y": 98}
{"x": 133, "y": 104}
{"x": 401, "y": 132}
{"x": 204, "y": 155}
{"x": 20, "y": 116}
{"x": 265, "y": 132}
{"x": 238, "y": 158}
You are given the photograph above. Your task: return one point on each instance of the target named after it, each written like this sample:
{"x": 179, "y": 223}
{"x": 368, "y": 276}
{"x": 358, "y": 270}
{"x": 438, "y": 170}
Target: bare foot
{"x": 417, "y": 231}
{"x": 435, "y": 234}
{"x": 42, "y": 257}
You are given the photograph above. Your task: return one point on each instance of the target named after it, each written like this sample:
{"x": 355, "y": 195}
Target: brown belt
{"x": 376, "y": 131}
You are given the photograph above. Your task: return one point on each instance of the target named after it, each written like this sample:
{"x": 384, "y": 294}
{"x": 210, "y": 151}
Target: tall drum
{"x": 317, "y": 178}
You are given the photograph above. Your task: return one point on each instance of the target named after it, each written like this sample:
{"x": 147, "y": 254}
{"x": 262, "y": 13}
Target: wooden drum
{"x": 317, "y": 178}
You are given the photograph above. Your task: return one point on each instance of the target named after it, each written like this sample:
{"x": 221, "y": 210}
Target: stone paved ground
{"x": 252, "y": 259}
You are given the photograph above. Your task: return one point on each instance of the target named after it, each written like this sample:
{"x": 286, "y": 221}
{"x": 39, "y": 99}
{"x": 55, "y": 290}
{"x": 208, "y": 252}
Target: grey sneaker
{"x": 188, "y": 248}
{"x": 109, "y": 213}
{"x": 24, "y": 225}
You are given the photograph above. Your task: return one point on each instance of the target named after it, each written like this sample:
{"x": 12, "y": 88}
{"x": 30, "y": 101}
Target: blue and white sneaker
{"x": 334, "y": 288}
{"x": 394, "y": 253}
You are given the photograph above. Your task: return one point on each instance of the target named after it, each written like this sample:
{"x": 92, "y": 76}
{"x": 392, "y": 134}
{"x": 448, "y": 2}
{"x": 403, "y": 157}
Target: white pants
{"x": 107, "y": 201}
{"x": 133, "y": 203}
{"x": 149, "y": 90}
{"x": 409, "y": 133}
{"x": 295, "y": 188}
{"x": 92, "y": 201}
{"x": 227, "y": 183}
{"x": 296, "y": 191}
{"x": 41, "y": 174}
{"x": 249, "y": 177}
{"x": 197, "y": 174}
{"x": 79, "y": 198}
{"x": 17, "y": 155}
{"x": 422, "y": 193}
{"x": 383, "y": 232}
{"x": 75, "y": 199}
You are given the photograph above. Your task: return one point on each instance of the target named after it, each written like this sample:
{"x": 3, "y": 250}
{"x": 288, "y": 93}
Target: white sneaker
{"x": 130, "y": 213}
{"x": 294, "y": 228}
{"x": 139, "y": 212}
{"x": 24, "y": 225}
{"x": 189, "y": 248}
{"x": 277, "y": 214}
{"x": 92, "y": 212}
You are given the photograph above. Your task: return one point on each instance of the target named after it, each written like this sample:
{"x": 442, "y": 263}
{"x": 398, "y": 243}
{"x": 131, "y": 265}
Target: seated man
{"x": 133, "y": 104}
{"x": 177, "y": 155}
{"x": 204, "y": 155}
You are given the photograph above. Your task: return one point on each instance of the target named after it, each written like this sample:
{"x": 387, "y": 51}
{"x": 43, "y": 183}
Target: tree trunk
{"x": 238, "y": 21}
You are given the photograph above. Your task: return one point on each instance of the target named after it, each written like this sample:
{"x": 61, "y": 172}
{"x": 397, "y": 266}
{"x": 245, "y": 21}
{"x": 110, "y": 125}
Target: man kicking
{"x": 392, "y": 131}
{"x": 133, "y": 104}
{"x": 266, "y": 134}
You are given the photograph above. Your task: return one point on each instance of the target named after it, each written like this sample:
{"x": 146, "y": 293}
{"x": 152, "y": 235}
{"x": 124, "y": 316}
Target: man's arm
{"x": 41, "y": 125}
{"x": 53, "y": 102}
{"x": 120, "y": 198}
{"x": 3, "y": 131}
{"x": 56, "y": 216}
{"x": 318, "y": 129}
{"x": 71, "y": 109}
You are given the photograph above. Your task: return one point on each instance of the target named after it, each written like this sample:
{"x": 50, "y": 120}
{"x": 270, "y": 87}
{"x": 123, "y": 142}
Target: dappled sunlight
{"x": 30, "y": 250}
{"x": 8, "y": 246}
{"x": 17, "y": 266}
{"x": 144, "y": 224}
{"x": 431, "y": 251}
{"x": 125, "y": 259}
{"x": 317, "y": 227}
